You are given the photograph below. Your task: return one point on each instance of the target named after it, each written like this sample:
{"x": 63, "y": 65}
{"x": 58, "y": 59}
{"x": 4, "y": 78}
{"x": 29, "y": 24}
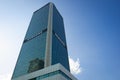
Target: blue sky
{"x": 92, "y": 31}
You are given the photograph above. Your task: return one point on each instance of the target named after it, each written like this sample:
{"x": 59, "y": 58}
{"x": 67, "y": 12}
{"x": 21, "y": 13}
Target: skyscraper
{"x": 44, "y": 55}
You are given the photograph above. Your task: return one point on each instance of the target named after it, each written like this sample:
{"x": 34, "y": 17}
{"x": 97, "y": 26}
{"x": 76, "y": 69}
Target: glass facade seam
{"x": 38, "y": 34}
{"x": 61, "y": 41}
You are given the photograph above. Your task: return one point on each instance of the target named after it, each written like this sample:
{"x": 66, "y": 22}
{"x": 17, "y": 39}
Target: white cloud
{"x": 75, "y": 67}
{"x": 5, "y": 77}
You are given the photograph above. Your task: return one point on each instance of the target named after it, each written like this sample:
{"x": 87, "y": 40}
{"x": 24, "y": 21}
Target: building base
{"x": 53, "y": 72}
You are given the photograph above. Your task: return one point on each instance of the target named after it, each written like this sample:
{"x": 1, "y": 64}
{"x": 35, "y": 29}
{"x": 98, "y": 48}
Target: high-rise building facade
{"x": 44, "y": 55}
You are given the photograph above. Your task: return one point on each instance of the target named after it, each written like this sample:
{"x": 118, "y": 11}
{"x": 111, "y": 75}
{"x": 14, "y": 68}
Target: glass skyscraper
{"x": 44, "y": 48}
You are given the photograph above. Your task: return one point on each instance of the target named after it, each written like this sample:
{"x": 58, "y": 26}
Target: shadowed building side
{"x": 59, "y": 45}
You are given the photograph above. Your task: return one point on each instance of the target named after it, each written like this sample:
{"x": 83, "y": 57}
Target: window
{"x": 33, "y": 79}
